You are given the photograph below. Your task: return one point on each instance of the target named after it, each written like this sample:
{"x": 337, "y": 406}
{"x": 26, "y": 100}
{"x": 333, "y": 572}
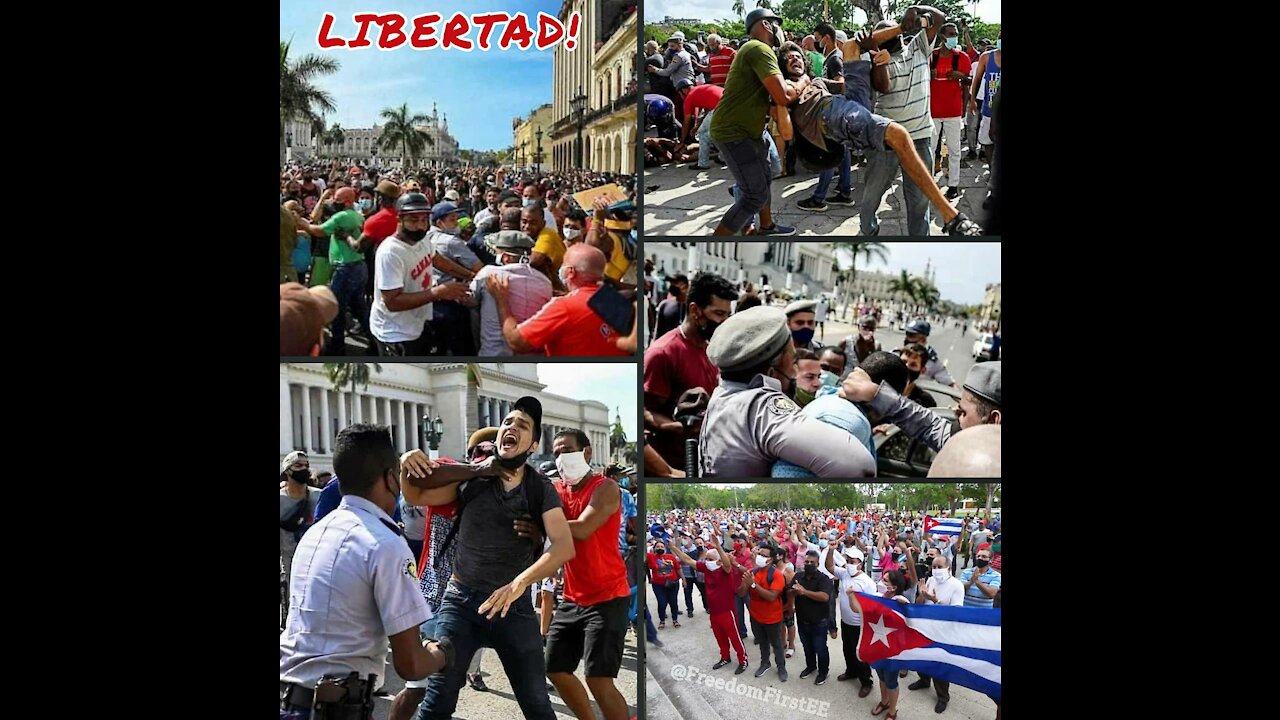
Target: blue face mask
{"x": 822, "y": 544}
{"x": 802, "y": 336}
{"x": 829, "y": 378}
{"x": 366, "y": 204}
{"x": 952, "y": 42}
{"x": 997, "y": 43}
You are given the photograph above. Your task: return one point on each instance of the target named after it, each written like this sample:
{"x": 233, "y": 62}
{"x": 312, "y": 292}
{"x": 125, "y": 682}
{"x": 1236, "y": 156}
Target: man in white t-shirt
{"x": 852, "y": 579}
{"x": 403, "y": 283}
{"x": 941, "y": 589}
{"x": 529, "y": 291}
{"x": 820, "y": 317}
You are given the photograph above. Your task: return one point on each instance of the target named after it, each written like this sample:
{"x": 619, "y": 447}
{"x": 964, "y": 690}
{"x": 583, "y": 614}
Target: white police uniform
{"x": 354, "y": 583}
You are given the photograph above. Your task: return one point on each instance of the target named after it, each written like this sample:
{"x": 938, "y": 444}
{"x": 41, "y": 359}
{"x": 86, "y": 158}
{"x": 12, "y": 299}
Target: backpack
{"x": 473, "y": 489}
{"x": 297, "y": 518}
{"x": 937, "y": 55}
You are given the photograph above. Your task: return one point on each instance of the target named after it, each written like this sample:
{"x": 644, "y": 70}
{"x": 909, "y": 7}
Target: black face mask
{"x": 892, "y": 46}
{"x": 982, "y": 563}
{"x": 912, "y": 375}
{"x": 413, "y": 235}
{"x": 708, "y": 327}
{"x": 515, "y": 462}
{"x": 301, "y": 476}
{"x": 809, "y": 568}
{"x": 339, "y": 207}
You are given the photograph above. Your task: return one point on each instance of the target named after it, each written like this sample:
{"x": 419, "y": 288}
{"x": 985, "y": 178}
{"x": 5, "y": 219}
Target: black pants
{"x": 770, "y": 636}
{"x": 688, "y": 594}
{"x": 942, "y": 686}
{"x": 668, "y": 597}
{"x": 451, "y": 324}
{"x": 852, "y": 665}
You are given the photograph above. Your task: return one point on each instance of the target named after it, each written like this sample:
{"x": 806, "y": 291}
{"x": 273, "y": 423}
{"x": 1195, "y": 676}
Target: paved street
{"x": 499, "y": 703}
{"x": 693, "y": 647}
{"x": 953, "y": 346}
{"x": 691, "y": 202}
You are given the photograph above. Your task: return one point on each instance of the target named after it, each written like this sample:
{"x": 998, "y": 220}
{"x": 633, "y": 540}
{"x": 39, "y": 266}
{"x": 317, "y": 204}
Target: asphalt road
{"x": 676, "y": 673}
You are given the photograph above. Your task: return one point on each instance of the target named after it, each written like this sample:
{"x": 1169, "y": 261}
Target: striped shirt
{"x": 907, "y": 102}
{"x": 973, "y": 596}
{"x": 719, "y": 64}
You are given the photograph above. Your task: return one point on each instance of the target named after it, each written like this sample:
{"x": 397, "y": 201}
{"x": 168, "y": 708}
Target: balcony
{"x": 626, "y": 101}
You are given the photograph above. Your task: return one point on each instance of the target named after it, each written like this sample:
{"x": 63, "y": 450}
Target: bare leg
{"x": 914, "y": 167}
{"x": 611, "y": 702}
{"x": 573, "y": 693}
{"x": 406, "y": 702}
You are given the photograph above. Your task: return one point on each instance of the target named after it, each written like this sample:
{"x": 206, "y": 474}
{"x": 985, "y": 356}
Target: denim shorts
{"x": 889, "y": 678}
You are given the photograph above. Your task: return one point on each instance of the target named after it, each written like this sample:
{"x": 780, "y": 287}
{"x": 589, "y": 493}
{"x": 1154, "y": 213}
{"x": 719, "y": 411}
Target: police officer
{"x": 979, "y": 404}
{"x": 752, "y": 420}
{"x": 354, "y": 586}
{"x": 918, "y": 332}
{"x": 801, "y": 321}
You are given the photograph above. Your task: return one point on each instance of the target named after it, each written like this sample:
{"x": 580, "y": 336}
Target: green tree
{"x": 299, "y": 98}
{"x": 399, "y": 133}
{"x": 333, "y": 137}
{"x": 353, "y": 374}
{"x": 927, "y": 293}
{"x": 867, "y": 251}
{"x": 905, "y": 285}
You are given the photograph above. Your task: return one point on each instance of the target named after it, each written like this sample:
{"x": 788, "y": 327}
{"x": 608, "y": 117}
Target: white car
{"x": 982, "y": 347}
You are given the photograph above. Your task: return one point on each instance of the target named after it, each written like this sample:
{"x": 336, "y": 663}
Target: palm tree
{"x": 927, "y": 293}
{"x": 334, "y": 137}
{"x": 340, "y": 374}
{"x": 400, "y": 131}
{"x": 299, "y": 99}
{"x": 868, "y": 251}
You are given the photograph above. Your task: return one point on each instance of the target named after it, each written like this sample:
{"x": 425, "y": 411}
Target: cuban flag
{"x": 956, "y": 644}
{"x": 945, "y": 526}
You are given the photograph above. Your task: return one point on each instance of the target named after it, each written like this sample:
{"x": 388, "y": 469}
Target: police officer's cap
{"x": 513, "y": 240}
{"x": 750, "y": 338}
{"x": 800, "y": 306}
{"x": 918, "y": 327}
{"x": 983, "y": 380}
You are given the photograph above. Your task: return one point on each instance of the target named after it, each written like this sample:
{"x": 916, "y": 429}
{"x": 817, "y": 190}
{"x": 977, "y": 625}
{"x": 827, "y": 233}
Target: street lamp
{"x": 579, "y": 105}
{"x": 537, "y": 156}
{"x": 288, "y": 144}
{"x": 432, "y": 430}
{"x": 522, "y": 154}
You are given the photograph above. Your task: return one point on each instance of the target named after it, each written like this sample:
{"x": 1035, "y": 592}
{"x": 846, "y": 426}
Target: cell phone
{"x": 613, "y": 308}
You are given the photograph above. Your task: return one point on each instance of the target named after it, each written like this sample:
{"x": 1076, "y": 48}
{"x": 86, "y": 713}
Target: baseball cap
{"x": 291, "y": 458}
{"x": 452, "y": 196}
{"x": 303, "y": 315}
{"x": 443, "y": 209}
{"x": 533, "y": 408}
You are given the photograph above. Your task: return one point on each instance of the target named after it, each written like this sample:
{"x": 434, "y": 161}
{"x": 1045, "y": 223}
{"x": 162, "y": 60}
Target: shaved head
{"x": 586, "y": 261}
{"x": 510, "y": 219}
{"x": 974, "y": 452}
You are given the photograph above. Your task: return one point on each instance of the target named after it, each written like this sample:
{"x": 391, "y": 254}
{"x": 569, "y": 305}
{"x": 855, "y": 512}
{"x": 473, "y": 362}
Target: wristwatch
{"x": 753, "y": 585}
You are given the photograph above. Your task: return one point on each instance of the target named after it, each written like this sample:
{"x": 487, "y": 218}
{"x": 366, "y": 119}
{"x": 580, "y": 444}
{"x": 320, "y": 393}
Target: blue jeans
{"x": 516, "y": 638}
{"x": 846, "y": 179}
{"x": 348, "y": 287}
{"x": 650, "y": 632}
{"x": 775, "y": 167}
{"x": 889, "y": 678}
{"x": 668, "y": 597}
{"x": 742, "y": 604}
{"x": 882, "y": 166}
{"x": 813, "y": 636}
{"x": 704, "y": 141}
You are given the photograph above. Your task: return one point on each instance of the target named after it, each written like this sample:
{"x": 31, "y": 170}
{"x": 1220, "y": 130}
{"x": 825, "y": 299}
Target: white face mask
{"x": 941, "y": 573}
{"x": 572, "y": 467}
{"x": 760, "y": 561}
{"x": 712, "y": 565}
{"x": 571, "y": 233}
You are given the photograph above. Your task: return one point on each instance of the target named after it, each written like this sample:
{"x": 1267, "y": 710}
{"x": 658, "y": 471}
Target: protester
{"x": 528, "y": 291}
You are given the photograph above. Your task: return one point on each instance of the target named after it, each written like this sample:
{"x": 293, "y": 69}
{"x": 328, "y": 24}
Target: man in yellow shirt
{"x": 548, "y": 248}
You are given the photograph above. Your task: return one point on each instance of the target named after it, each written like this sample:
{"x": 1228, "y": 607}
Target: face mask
{"x": 660, "y": 550}
{"x": 778, "y": 37}
{"x": 413, "y": 235}
{"x": 366, "y": 204}
{"x": 940, "y": 574}
{"x": 867, "y": 335}
{"x": 822, "y": 544}
{"x": 571, "y": 233}
{"x": 339, "y": 207}
{"x": 527, "y": 202}
{"x": 712, "y": 565}
{"x": 515, "y": 462}
{"x": 626, "y": 483}
{"x": 737, "y": 546}
{"x": 301, "y": 476}
{"x": 803, "y": 398}
{"x": 809, "y": 568}
{"x": 573, "y": 466}
{"x": 997, "y": 43}
{"x": 802, "y": 336}
{"x": 760, "y": 561}
{"x": 563, "y": 277}
{"x": 893, "y": 46}
{"x": 684, "y": 544}
{"x": 952, "y": 42}
{"x": 912, "y": 375}
{"x": 982, "y": 563}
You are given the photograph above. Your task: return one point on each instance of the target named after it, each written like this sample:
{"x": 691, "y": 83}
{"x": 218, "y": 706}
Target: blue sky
{"x": 710, "y": 10}
{"x": 610, "y": 383}
{"x": 964, "y": 268}
{"x": 480, "y": 91}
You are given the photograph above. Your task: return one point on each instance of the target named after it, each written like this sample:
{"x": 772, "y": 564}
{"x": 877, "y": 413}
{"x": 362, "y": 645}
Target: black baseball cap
{"x": 530, "y": 406}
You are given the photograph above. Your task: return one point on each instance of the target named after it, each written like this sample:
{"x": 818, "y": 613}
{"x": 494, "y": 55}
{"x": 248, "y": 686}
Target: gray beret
{"x": 749, "y": 338}
{"x": 800, "y": 306}
{"x": 983, "y": 380}
{"x": 512, "y": 240}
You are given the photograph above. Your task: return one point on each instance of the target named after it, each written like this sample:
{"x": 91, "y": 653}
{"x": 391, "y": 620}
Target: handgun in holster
{"x": 343, "y": 698}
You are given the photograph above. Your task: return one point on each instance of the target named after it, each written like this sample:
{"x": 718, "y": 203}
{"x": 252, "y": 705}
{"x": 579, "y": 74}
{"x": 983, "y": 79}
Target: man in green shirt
{"x": 739, "y": 122}
{"x": 349, "y": 269}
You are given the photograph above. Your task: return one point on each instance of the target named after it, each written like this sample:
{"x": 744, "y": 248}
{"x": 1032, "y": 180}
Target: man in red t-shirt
{"x": 591, "y": 623}
{"x": 566, "y": 326}
{"x": 678, "y": 361}
{"x": 766, "y": 607}
{"x": 720, "y": 592}
{"x": 379, "y": 226}
{"x": 698, "y": 101}
{"x": 949, "y": 68}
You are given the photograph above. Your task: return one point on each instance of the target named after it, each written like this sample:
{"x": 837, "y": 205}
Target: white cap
{"x": 854, "y": 553}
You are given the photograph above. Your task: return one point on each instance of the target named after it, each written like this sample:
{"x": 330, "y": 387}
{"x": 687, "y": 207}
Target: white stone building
{"x": 787, "y": 265}
{"x": 298, "y": 142}
{"x": 359, "y": 144}
{"x": 312, "y": 413}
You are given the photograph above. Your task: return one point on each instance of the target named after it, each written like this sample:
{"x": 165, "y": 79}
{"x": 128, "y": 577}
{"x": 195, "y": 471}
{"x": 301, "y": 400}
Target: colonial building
{"x": 601, "y": 70}
{"x": 312, "y": 412}
{"x": 990, "y": 313}
{"x": 525, "y": 133}
{"x": 783, "y": 265}
{"x": 360, "y": 144}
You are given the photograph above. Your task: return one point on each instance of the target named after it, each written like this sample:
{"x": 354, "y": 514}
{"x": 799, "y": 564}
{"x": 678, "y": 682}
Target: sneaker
{"x": 763, "y": 669}
{"x": 822, "y": 678}
{"x": 812, "y": 205}
{"x": 790, "y": 652}
{"x": 720, "y": 664}
{"x": 940, "y": 706}
{"x": 840, "y": 199}
{"x": 953, "y": 193}
{"x": 777, "y": 230}
{"x": 807, "y": 672}
{"x": 782, "y": 674}
{"x": 920, "y": 684}
{"x": 690, "y": 612}
{"x": 741, "y": 669}
{"x": 695, "y": 166}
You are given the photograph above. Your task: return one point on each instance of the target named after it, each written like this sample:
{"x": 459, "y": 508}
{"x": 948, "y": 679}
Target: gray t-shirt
{"x": 452, "y": 247}
{"x": 288, "y": 505}
{"x": 490, "y": 554}
{"x": 978, "y": 538}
